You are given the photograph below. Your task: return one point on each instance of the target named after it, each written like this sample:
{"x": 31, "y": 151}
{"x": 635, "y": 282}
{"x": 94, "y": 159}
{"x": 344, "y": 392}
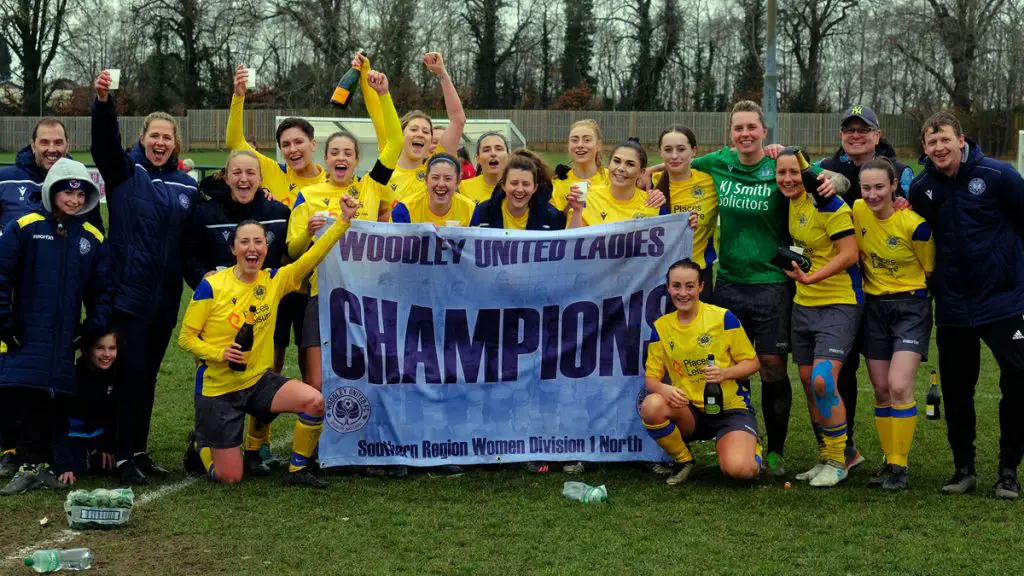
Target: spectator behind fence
{"x": 150, "y": 204}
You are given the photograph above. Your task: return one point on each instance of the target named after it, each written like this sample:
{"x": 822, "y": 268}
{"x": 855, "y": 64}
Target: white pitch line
{"x": 68, "y": 535}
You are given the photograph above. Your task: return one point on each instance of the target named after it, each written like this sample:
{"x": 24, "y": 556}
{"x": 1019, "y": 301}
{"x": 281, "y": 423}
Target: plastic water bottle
{"x": 43, "y": 561}
{"x": 584, "y": 492}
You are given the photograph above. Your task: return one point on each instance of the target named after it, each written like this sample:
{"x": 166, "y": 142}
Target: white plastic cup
{"x": 250, "y": 80}
{"x": 115, "y": 78}
{"x": 453, "y": 223}
{"x": 583, "y": 187}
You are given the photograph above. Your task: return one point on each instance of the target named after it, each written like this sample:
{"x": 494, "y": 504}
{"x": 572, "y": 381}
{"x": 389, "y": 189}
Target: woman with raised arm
{"x": 150, "y": 203}
{"x": 409, "y": 177}
{"x": 231, "y": 383}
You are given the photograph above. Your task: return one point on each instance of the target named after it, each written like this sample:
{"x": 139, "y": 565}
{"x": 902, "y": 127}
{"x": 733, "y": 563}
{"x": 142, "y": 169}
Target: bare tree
{"x": 960, "y": 27}
{"x": 808, "y": 24}
{"x": 33, "y": 29}
{"x": 493, "y": 48}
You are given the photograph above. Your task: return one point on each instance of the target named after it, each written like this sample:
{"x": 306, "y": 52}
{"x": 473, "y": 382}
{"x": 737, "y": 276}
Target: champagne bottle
{"x": 244, "y": 338}
{"x": 933, "y": 402}
{"x": 346, "y": 87}
{"x": 809, "y": 179}
{"x": 712, "y": 393}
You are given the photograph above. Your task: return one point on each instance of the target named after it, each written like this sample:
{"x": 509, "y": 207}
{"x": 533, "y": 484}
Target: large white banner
{"x": 472, "y": 345}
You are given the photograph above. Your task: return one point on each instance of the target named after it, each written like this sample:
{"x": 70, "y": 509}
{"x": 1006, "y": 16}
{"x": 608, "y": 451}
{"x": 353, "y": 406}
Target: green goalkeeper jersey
{"x": 753, "y": 217}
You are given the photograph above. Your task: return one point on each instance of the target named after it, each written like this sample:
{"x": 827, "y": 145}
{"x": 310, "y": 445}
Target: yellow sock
{"x": 206, "y": 455}
{"x": 307, "y": 434}
{"x": 668, "y": 436}
{"x": 835, "y": 443}
{"x": 904, "y": 421}
{"x": 883, "y": 423}
{"x": 257, "y": 435}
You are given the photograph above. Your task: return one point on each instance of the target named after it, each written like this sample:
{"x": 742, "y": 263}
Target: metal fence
{"x": 543, "y": 129}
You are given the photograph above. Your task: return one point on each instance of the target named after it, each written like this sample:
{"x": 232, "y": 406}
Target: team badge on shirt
{"x": 698, "y": 192}
{"x": 766, "y": 171}
{"x": 976, "y": 186}
{"x": 259, "y": 292}
{"x": 84, "y": 246}
{"x": 347, "y": 409}
{"x": 353, "y": 191}
{"x": 184, "y": 201}
{"x": 803, "y": 220}
{"x": 704, "y": 340}
{"x": 270, "y": 237}
{"x": 892, "y": 242}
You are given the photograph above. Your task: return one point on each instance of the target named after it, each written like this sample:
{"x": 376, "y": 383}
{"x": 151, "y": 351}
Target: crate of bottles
{"x": 100, "y": 508}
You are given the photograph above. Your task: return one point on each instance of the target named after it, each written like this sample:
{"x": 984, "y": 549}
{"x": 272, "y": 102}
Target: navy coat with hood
{"x": 542, "y": 215}
{"x": 977, "y": 219}
{"x": 207, "y": 244}
{"x": 20, "y": 191}
{"x": 149, "y": 209}
{"x": 48, "y": 270}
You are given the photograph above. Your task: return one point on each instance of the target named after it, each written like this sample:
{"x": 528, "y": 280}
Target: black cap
{"x": 863, "y": 113}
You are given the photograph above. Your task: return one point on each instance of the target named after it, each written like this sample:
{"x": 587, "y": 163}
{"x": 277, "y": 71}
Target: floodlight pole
{"x": 770, "y": 101}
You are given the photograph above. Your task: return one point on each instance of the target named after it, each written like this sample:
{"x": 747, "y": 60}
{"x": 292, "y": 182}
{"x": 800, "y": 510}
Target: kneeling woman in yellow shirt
{"x": 708, "y": 357}
{"x": 441, "y": 204}
{"x": 231, "y": 383}
{"x": 826, "y": 310}
{"x": 622, "y": 200}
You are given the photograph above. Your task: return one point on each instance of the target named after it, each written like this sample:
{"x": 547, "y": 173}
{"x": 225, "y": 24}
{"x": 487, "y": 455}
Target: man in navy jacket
{"x": 20, "y": 187}
{"x": 975, "y": 208}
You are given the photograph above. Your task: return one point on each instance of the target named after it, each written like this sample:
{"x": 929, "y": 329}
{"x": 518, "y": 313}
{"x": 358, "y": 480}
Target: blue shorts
{"x": 714, "y": 427}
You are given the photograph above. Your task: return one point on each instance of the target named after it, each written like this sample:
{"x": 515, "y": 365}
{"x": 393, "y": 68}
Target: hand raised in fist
{"x": 378, "y": 81}
{"x": 349, "y": 208}
{"x": 434, "y": 63}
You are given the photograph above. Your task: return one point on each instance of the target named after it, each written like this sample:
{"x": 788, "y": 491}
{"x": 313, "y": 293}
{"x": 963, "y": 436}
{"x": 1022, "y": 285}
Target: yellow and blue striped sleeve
{"x": 740, "y": 348}
{"x": 194, "y": 322}
{"x": 297, "y": 239}
{"x": 839, "y": 218}
{"x": 656, "y": 360}
{"x": 923, "y": 245}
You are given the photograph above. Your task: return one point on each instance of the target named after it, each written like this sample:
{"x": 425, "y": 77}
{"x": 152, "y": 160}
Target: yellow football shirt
{"x": 683, "y": 351}
{"x": 281, "y": 180}
{"x": 407, "y": 182}
{"x": 560, "y": 192}
{"x": 326, "y": 197}
{"x": 896, "y": 254}
{"x": 476, "y": 189}
{"x": 603, "y": 208}
{"x": 816, "y": 230}
{"x": 511, "y": 222}
{"x": 217, "y": 309}
{"x": 416, "y": 210}
{"x": 697, "y": 194}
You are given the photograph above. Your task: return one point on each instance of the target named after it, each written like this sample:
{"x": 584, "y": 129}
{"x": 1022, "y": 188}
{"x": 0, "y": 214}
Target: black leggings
{"x": 960, "y": 364}
{"x": 141, "y": 347}
{"x": 42, "y": 417}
